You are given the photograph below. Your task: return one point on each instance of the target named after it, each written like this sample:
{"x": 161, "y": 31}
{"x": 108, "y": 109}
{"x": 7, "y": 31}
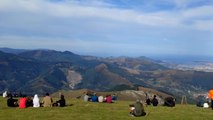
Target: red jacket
{"x": 109, "y": 99}
{"x": 22, "y": 103}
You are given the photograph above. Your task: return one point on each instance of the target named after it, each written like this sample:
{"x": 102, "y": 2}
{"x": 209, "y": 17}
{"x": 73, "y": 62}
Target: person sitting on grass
{"x": 61, "y": 102}
{"x": 29, "y": 102}
{"x": 36, "y": 101}
{"x": 169, "y": 101}
{"x": 12, "y": 102}
{"x": 23, "y": 102}
{"x": 100, "y": 99}
{"x": 137, "y": 109}
{"x": 94, "y": 98}
{"x": 148, "y": 101}
{"x": 154, "y": 101}
{"x": 47, "y": 101}
{"x": 4, "y": 95}
{"x": 86, "y": 97}
{"x": 108, "y": 99}
{"x": 114, "y": 98}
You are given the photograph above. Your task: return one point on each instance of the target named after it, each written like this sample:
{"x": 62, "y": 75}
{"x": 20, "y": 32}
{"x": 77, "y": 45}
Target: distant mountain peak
{"x": 51, "y": 70}
{"x": 11, "y": 50}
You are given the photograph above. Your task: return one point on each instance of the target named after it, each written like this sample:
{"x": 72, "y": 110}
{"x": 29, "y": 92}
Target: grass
{"x": 81, "y": 110}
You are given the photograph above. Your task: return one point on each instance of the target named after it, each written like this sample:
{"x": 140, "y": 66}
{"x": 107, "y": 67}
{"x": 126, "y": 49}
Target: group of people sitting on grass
{"x": 154, "y": 101}
{"x": 205, "y": 100}
{"x": 136, "y": 109}
{"x": 168, "y": 101}
{"x": 94, "y": 98}
{"x": 25, "y": 101}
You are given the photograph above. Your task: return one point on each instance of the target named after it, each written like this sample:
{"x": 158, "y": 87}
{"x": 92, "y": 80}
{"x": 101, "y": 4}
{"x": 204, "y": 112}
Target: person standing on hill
{"x": 210, "y": 95}
{"x": 47, "y": 101}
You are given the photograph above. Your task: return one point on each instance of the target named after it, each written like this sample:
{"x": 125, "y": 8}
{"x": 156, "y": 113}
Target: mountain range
{"x": 41, "y": 71}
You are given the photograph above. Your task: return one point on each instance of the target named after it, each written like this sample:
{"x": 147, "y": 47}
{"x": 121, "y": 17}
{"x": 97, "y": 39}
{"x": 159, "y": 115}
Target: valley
{"x": 41, "y": 71}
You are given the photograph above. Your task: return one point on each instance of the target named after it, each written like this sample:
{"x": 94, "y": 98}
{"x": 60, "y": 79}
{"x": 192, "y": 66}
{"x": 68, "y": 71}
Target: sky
{"x": 109, "y": 27}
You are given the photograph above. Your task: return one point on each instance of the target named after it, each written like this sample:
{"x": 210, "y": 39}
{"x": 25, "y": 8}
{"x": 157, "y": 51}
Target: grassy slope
{"x": 101, "y": 111}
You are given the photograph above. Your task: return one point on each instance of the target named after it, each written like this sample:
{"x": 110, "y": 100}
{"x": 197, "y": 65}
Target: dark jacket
{"x": 154, "y": 102}
{"x": 12, "y": 102}
{"x": 61, "y": 102}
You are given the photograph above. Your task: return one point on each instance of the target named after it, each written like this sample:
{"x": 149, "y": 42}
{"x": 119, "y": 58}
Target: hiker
{"x": 12, "y": 102}
{"x": 210, "y": 95}
{"x": 108, "y": 99}
{"x": 101, "y": 99}
{"x": 47, "y": 101}
{"x": 114, "y": 98}
{"x": 169, "y": 101}
{"x": 154, "y": 101}
{"x": 23, "y": 102}
{"x": 4, "y": 95}
{"x": 29, "y": 102}
{"x": 148, "y": 101}
{"x": 94, "y": 98}
{"x": 137, "y": 109}
{"x": 86, "y": 97}
{"x": 36, "y": 101}
{"x": 61, "y": 102}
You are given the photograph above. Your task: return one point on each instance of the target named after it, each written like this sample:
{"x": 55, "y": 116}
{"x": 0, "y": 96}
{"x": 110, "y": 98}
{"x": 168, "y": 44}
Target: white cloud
{"x": 207, "y": 25}
{"x": 67, "y": 9}
{"x": 203, "y": 11}
{"x": 100, "y": 26}
{"x": 182, "y": 3}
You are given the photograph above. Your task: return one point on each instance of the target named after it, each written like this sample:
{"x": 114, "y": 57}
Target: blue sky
{"x": 109, "y": 27}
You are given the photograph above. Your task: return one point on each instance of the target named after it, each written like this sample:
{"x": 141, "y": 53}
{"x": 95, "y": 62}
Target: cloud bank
{"x": 108, "y": 27}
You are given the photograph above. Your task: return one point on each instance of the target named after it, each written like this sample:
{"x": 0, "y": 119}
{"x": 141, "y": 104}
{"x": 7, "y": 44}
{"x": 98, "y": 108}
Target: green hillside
{"x": 41, "y": 71}
{"x": 80, "y": 110}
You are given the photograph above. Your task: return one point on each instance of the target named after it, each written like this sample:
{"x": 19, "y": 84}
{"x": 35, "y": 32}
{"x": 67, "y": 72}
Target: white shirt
{"x": 4, "y": 94}
{"x": 86, "y": 98}
{"x": 205, "y": 105}
{"x": 100, "y": 99}
{"x": 36, "y": 102}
